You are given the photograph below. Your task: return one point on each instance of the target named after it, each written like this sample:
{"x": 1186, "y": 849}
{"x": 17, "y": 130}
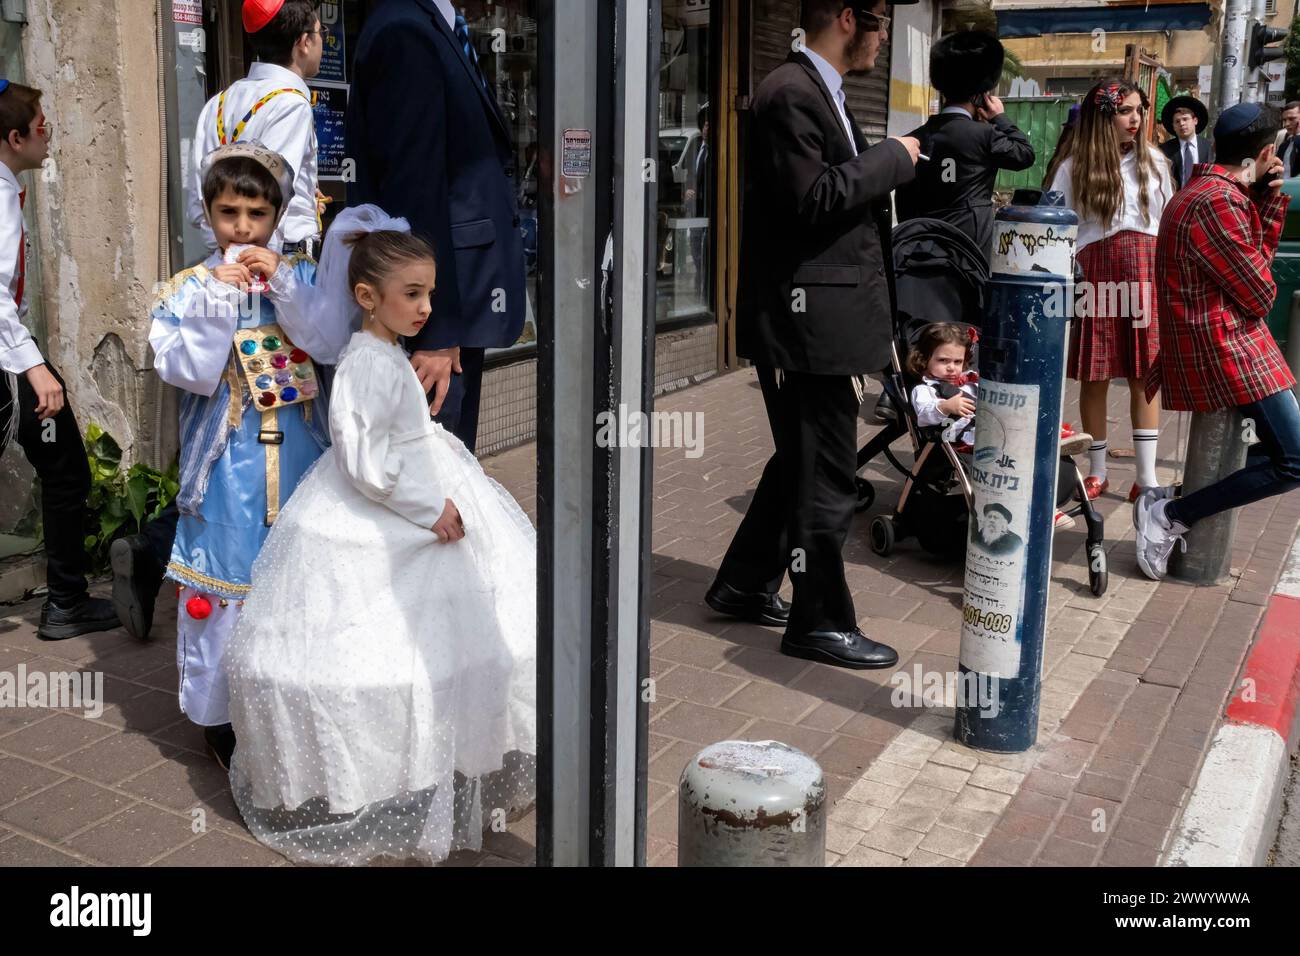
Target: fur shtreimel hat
{"x": 966, "y": 64}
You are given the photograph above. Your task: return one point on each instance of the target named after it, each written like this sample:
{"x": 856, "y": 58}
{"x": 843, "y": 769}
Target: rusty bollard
{"x": 751, "y": 803}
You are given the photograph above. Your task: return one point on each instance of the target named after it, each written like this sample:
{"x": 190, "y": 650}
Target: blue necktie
{"x": 462, "y": 34}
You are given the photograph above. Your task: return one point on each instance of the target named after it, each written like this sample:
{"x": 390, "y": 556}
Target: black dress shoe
{"x": 758, "y": 606}
{"x": 221, "y": 743}
{"x": 841, "y": 648}
{"x": 85, "y": 616}
{"x": 886, "y": 410}
{"x": 136, "y": 579}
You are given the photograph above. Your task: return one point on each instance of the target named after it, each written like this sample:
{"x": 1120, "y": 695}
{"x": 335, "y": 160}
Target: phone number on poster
{"x": 996, "y": 623}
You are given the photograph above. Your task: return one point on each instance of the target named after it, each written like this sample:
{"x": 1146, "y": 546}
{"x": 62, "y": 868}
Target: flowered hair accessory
{"x": 973, "y": 334}
{"x": 1107, "y": 99}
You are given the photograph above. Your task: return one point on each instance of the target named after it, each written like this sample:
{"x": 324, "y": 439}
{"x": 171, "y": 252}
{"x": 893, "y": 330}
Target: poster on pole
{"x": 1002, "y": 477}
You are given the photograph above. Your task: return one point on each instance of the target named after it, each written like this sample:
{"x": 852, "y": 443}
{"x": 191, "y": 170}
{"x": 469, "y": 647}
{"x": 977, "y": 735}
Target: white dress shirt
{"x": 18, "y": 352}
{"x": 1129, "y": 215}
{"x": 1190, "y": 151}
{"x": 448, "y": 13}
{"x": 284, "y": 124}
{"x": 835, "y": 86}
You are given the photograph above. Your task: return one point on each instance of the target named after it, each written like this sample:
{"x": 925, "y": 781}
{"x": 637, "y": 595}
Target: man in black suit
{"x": 1184, "y": 117}
{"x": 431, "y": 144}
{"x": 815, "y": 300}
{"x": 1288, "y": 140}
{"x": 967, "y": 142}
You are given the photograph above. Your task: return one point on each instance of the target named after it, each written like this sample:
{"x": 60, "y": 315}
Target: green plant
{"x": 121, "y": 504}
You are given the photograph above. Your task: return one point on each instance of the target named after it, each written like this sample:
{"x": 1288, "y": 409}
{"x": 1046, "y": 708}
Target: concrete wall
{"x": 97, "y": 204}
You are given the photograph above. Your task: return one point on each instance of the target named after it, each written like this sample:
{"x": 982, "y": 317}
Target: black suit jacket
{"x": 431, "y": 144}
{"x": 816, "y": 273}
{"x": 956, "y": 184}
{"x": 1173, "y": 148}
{"x": 1293, "y": 157}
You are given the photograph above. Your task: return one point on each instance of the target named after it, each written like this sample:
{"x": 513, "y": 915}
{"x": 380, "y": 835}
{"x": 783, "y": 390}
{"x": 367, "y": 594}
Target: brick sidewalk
{"x": 1134, "y": 684}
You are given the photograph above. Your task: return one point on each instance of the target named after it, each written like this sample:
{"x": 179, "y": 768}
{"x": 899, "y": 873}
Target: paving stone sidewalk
{"x": 1134, "y": 684}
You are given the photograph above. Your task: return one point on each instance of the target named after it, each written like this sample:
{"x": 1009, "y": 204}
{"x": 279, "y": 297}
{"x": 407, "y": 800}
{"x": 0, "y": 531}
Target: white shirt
{"x": 284, "y": 124}
{"x": 18, "y": 352}
{"x": 835, "y": 86}
{"x": 1129, "y": 215}
{"x": 448, "y": 13}
{"x": 956, "y": 109}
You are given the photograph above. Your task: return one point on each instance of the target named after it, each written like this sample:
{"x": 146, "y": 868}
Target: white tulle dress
{"x": 382, "y": 683}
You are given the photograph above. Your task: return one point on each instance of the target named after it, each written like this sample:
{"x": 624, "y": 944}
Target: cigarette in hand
{"x": 921, "y": 155}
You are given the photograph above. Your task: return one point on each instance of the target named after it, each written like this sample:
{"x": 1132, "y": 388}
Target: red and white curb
{"x": 1233, "y": 810}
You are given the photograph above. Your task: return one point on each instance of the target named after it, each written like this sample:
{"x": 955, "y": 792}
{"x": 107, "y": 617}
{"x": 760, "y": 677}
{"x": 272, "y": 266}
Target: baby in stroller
{"x": 941, "y": 359}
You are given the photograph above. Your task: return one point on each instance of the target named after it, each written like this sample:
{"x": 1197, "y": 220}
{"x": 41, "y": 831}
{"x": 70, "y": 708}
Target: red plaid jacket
{"x": 1214, "y": 287}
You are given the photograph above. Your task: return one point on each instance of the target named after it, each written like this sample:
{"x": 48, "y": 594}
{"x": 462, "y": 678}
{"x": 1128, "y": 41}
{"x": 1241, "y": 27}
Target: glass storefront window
{"x": 684, "y": 251}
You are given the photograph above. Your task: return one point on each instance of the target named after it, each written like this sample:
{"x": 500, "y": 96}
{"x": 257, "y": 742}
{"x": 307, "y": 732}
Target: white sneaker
{"x": 1155, "y": 540}
{"x": 1156, "y": 493}
{"x": 1063, "y": 521}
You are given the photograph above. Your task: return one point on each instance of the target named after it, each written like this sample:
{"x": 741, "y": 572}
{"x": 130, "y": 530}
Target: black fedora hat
{"x": 1184, "y": 103}
{"x": 966, "y": 64}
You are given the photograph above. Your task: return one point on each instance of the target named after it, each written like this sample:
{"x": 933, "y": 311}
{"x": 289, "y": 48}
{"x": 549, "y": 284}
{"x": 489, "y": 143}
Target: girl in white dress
{"x": 382, "y": 676}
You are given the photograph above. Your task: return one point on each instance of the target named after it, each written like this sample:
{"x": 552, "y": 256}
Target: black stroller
{"x": 940, "y": 276}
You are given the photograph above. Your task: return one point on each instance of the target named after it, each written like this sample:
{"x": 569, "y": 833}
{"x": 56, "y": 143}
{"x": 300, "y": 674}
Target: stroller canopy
{"x": 940, "y": 276}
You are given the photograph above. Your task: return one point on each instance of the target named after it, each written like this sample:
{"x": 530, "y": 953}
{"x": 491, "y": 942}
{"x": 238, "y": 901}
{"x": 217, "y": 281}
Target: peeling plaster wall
{"x": 98, "y": 204}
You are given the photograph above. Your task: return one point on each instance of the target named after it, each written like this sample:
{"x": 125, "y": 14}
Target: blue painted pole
{"x": 1014, "y": 474}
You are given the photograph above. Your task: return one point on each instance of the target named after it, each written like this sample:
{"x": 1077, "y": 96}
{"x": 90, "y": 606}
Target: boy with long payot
{"x": 1217, "y": 239}
{"x": 33, "y": 407}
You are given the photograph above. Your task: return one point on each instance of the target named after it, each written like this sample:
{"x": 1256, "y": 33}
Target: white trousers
{"x": 200, "y": 647}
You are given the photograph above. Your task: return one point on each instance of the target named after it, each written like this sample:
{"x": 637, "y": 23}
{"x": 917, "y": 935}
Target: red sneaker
{"x": 1095, "y": 487}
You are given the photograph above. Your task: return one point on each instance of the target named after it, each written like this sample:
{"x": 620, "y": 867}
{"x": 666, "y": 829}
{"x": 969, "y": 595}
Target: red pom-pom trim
{"x": 198, "y": 607}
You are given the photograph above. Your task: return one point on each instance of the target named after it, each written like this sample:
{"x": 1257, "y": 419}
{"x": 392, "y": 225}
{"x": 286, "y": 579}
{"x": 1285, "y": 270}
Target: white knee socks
{"x": 1097, "y": 459}
{"x": 1144, "y": 445}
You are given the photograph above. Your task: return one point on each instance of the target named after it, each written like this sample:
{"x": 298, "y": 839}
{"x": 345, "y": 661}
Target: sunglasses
{"x": 872, "y": 22}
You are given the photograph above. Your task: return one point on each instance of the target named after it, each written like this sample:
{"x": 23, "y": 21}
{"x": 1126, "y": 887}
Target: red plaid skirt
{"x": 1114, "y": 333}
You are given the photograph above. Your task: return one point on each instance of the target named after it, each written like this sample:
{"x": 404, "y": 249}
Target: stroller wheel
{"x": 866, "y": 495}
{"x": 882, "y": 535}
{"x": 1098, "y": 577}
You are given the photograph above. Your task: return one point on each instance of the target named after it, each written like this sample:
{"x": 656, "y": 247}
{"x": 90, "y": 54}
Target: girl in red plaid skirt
{"x": 1118, "y": 184}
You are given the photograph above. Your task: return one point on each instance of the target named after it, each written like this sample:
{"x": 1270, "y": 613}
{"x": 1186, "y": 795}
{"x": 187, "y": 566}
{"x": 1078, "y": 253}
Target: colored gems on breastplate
{"x": 277, "y": 372}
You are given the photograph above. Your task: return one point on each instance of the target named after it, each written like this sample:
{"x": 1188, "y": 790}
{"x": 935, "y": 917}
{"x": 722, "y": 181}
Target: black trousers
{"x": 459, "y": 413}
{"x": 803, "y": 506}
{"x": 56, "y": 452}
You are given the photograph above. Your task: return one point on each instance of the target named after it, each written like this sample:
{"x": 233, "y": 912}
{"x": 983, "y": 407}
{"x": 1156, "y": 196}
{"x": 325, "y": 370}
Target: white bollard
{"x": 751, "y": 803}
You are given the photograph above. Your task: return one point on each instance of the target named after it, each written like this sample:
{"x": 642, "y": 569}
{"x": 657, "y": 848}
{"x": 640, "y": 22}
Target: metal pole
{"x": 1014, "y": 475}
{"x": 595, "y": 350}
{"x": 1215, "y": 449}
{"x": 1232, "y": 51}
{"x": 1214, "y": 446}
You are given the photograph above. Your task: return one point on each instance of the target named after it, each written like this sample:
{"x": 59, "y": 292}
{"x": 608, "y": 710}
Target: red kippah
{"x": 258, "y": 13}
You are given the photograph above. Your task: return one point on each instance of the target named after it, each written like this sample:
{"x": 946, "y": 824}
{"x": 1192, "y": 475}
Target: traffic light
{"x": 1260, "y": 51}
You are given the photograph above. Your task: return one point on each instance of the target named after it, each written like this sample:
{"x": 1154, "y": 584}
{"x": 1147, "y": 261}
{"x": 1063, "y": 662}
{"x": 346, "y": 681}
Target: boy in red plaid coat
{"x": 1217, "y": 240}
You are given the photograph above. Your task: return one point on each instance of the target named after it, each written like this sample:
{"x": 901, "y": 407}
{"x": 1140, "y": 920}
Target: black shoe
{"x": 85, "y": 616}
{"x": 757, "y": 606}
{"x": 886, "y": 410}
{"x": 221, "y": 743}
{"x": 136, "y": 579}
{"x": 841, "y": 648}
